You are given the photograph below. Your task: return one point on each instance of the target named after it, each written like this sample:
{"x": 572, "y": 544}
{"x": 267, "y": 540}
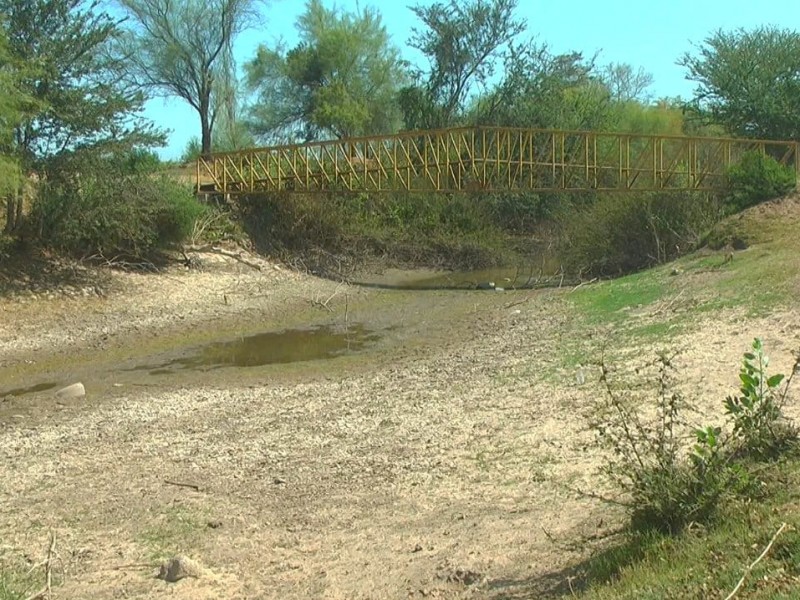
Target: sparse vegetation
{"x": 669, "y": 483}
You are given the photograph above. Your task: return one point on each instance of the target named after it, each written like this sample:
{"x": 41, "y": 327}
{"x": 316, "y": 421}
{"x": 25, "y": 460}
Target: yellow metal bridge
{"x": 485, "y": 159}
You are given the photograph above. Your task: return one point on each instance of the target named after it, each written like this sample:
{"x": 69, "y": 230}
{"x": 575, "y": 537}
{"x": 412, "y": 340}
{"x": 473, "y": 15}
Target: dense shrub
{"x": 446, "y": 230}
{"x": 620, "y": 233}
{"x": 756, "y": 178}
{"x": 114, "y": 215}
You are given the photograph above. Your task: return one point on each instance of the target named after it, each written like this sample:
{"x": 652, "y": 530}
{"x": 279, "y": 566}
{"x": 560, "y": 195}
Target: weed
{"x": 758, "y": 422}
{"x": 670, "y": 482}
{"x": 665, "y": 489}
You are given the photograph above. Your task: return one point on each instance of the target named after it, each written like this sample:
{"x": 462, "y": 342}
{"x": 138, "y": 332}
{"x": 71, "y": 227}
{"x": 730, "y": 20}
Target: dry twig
{"x": 756, "y": 561}
{"x": 192, "y": 486}
{"x": 211, "y": 249}
{"x": 47, "y": 590}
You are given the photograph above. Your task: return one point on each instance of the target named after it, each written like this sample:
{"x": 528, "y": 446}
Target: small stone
{"x": 214, "y": 524}
{"x": 179, "y": 567}
{"x": 417, "y": 548}
{"x": 76, "y": 390}
{"x": 278, "y": 481}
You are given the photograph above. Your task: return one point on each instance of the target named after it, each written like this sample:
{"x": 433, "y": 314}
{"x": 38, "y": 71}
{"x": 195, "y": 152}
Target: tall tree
{"x": 342, "y": 79}
{"x": 462, "y": 42}
{"x": 73, "y": 99}
{"x": 748, "y": 82}
{"x": 184, "y": 48}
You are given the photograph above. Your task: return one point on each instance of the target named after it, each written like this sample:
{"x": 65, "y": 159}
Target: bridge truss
{"x": 486, "y": 159}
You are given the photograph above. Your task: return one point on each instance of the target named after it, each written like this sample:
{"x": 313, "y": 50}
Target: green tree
{"x": 11, "y": 106}
{"x": 462, "y": 42}
{"x": 74, "y": 101}
{"x": 748, "y": 82}
{"x": 184, "y": 48}
{"x": 545, "y": 90}
{"x": 342, "y": 79}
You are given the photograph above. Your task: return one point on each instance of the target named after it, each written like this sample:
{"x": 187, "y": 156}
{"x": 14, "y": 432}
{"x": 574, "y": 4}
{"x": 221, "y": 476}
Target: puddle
{"x": 39, "y": 387}
{"x": 274, "y": 347}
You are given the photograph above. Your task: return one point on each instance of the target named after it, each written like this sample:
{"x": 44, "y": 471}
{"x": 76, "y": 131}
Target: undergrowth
{"x": 676, "y": 479}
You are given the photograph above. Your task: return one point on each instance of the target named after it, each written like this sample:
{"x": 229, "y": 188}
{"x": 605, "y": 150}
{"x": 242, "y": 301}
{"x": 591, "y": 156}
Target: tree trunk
{"x": 20, "y": 204}
{"x": 11, "y": 213}
{"x": 205, "y": 125}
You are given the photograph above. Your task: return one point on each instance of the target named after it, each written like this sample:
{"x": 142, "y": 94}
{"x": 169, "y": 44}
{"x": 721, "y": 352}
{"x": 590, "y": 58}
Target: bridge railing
{"x": 487, "y": 159}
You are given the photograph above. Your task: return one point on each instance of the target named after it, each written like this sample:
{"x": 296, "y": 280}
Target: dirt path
{"x": 435, "y": 465}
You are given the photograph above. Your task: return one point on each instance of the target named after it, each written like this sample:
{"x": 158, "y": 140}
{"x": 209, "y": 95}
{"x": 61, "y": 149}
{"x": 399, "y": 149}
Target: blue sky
{"x": 652, "y": 35}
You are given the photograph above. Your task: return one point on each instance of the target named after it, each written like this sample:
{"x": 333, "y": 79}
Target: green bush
{"x": 455, "y": 231}
{"x": 665, "y": 490}
{"x": 113, "y": 215}
{"x": 622, "y": 233}
{"x": 755, "y": 179}
{"x": 672, "y": 475}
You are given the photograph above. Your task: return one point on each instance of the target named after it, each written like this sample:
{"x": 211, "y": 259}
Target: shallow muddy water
{"x": 271, "y": 347}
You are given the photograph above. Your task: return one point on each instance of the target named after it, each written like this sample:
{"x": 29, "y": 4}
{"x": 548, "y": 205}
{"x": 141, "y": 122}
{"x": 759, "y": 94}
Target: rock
{"x": 179, "y": 567}
{"x": 485, "y": 285}
{"x": 76, "y": 390}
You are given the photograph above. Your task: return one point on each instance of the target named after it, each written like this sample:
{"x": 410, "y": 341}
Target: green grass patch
{"x": 16, "y": 585}
{"x": 608, "y": 301}
{"x": 175, "y": 530}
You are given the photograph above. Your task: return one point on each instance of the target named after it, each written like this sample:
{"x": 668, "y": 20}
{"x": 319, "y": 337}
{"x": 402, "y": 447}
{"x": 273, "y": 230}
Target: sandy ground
{"x": 437, "y": 465}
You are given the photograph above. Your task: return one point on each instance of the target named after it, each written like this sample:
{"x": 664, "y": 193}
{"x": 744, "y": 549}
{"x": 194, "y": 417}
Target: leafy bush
{"x": 757, "y": 178}
{"x": 626, "y": 232}
{"x": 117, "y": 216}
{"x": 672, "y": 474}
{"x": 665, "y": 489}
{"x": 456, "y": 230}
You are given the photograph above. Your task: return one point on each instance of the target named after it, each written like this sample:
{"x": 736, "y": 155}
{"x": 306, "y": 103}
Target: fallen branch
{"x": 756, "y": 561}
{"x": 324, "y": 304}
{"x": 582, "y": 283}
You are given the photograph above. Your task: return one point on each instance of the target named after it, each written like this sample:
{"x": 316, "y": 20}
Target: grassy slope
{"x": 654, "y": 305}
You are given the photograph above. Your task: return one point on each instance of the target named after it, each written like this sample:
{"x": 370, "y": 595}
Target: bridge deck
{"x": 487, "y": 159}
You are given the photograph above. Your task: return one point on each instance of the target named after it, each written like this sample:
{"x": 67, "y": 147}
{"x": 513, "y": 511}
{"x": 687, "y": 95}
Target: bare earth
{"x": 435, "y": 465}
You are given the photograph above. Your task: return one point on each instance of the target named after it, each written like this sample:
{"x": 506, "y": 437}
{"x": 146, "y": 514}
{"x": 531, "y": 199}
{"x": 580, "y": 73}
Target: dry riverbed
{"x": 436, "y": 462}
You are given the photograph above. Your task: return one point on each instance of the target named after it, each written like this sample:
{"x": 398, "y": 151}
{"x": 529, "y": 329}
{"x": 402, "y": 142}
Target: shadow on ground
{"x": 31, "y": 270}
